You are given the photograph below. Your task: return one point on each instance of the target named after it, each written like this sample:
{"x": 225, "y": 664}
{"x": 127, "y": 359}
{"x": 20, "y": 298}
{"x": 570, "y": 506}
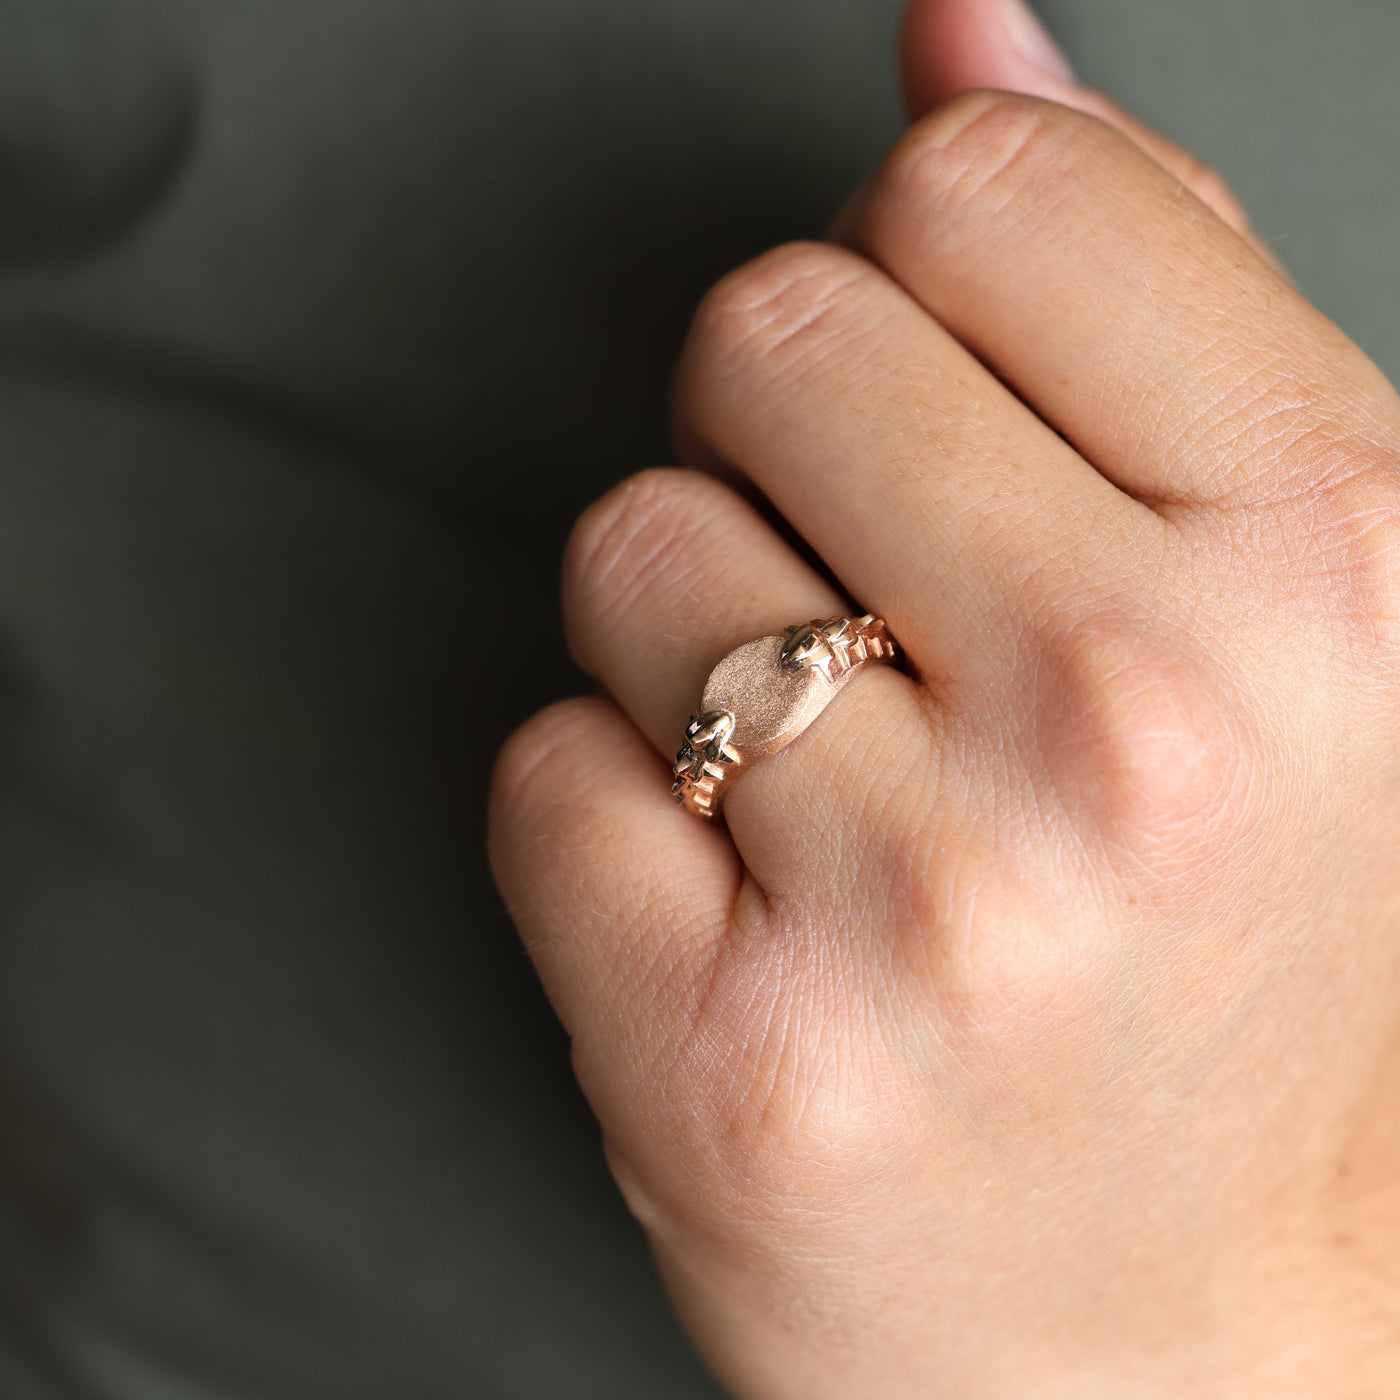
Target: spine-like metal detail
{"x": 704, "y": 761}
{"x": 836, "y": 646}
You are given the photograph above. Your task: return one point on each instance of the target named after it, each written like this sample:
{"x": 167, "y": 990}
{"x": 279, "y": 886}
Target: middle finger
{"x": 934, "y": 494}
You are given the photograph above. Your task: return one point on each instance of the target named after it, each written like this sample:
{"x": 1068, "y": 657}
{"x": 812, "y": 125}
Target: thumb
{"x": 949, "y": 46}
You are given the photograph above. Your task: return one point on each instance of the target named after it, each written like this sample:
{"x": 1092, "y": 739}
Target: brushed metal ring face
{"x": 771, "y": 703}
{"x": 763, "y": 694}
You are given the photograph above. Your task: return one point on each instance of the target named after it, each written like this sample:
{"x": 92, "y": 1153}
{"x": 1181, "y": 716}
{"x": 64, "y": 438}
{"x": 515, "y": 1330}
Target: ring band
{"x": 763, "y": 695}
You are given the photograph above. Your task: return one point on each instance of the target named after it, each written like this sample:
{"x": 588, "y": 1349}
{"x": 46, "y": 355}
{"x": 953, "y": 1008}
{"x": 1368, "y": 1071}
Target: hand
{"x": 1029, "y": 1030}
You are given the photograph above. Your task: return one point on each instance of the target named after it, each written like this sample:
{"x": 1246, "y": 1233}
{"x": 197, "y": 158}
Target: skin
{"x": 1030, "y": 1028}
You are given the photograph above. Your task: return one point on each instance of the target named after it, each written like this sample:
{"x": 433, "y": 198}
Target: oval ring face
{"x": 771, "y": 703}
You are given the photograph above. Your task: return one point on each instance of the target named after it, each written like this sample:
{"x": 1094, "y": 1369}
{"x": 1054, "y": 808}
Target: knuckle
{"x": 776, "y": 1139}
{"x": 1145, "y": 746}
{"x": 644, "y": 530}
{"x": 995, "y": 966}
{"x": 1351, "y": 548}
{"x": 773, "y": 307}
{"x": 526, "y": 760}
{"x": 980, "y": 149}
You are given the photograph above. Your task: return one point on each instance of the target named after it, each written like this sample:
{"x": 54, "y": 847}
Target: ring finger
{"x": 664, "y": 576}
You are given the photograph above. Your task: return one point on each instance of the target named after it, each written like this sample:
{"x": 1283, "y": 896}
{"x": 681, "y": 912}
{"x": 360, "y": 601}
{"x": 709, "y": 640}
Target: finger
{"x": 953, "y": 46}
{"x": 665, "y": 575}
{"x": 1122, "y": 310}
{"x": 938, "y": 499}
{"x": 619, "y": 898}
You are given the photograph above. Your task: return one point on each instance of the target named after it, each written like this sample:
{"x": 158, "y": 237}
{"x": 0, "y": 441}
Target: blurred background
{"x": 319, "y": 322}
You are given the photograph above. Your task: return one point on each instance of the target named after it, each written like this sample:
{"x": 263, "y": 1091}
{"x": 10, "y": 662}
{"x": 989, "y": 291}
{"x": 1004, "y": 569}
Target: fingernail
{"x": 1031, "y": 40}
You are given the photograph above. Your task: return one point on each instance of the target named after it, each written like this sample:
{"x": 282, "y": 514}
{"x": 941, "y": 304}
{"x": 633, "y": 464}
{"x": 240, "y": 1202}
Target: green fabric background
{"x": 319, "y": 321}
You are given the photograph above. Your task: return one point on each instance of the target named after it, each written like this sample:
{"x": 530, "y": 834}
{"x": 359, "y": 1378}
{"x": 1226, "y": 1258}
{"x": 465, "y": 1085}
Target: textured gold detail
{"x": 762, "y": 695}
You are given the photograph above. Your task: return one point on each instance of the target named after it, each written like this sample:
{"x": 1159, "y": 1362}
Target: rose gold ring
{"x": 763, "y": 695}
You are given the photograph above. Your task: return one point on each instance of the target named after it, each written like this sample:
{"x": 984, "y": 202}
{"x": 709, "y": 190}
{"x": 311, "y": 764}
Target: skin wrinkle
{"x": 726, "y": 318}
{"x": 1274, "y": 383}
{"x": 834, "y": 359}
{"x": 664, "y": 889}
{"x": 597, "y": 553}
{"x": 737, "y": 930}
{"x": 767, "y": 1035}
{"x": 750, "y": 1108}
{"x": 931, "y": 167}
{"x": 1197, "y": 437}
{"x": 1381, "y": 558}
{"x": 1357, "y": 584}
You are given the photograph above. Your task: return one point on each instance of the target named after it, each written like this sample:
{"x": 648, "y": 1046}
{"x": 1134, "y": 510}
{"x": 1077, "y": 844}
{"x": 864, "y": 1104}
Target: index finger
{"x": 953, "y": 46}
{"x": 1127, "y": 315}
